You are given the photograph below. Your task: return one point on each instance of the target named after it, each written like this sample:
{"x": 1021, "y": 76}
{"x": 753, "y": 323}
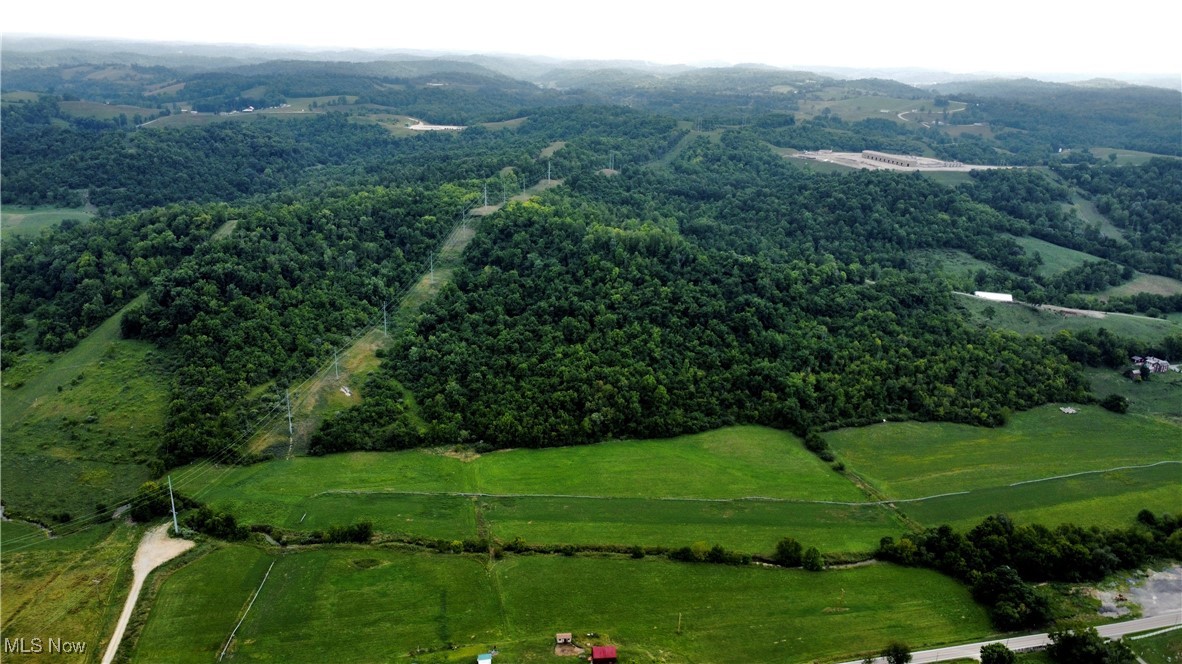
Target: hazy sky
{"x": 1006, "y": 36}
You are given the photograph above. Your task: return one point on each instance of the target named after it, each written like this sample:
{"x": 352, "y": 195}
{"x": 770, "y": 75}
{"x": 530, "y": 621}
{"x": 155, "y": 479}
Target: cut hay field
{"x": 658, "y": 492}
{"x": 1127, "y": 156}
{"x": 991, "y": 470}
{"x": 1027, "y": 320}
{"x": 449, "y": 608}
{"x": 914, "y": 459}
{"x": 81, "y": 428}
{"x": 101, "y": 111}
{"x": 29, "y": 220}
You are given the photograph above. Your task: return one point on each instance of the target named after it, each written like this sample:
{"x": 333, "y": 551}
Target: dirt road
{"x": 155, "y": 549}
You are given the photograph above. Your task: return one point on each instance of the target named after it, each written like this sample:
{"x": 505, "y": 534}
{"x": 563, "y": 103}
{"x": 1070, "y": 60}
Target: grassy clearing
{"x": 951, "y": 262}
{"x": 1027, "y": 320}
{"x": 1124, "y": 157}
{"x": 864, "y": 107}
{"x": 70, "y": 588}
{"x": 392, "y": 602}
{"x": 1146, "y": 283}
{"x": 101, "y": 111}
{"x": 1055, "y": 259}
{"x": 948, "y": 178}
{"x": 610, "y": 493}
{"x": 504, "y": 124}
{"x": 31, "y": 220}
{"x": 913, "y": 459}
{"x": 1090, "y": 215}
{"x": 1160, "y": 396}
{"x": 81, "y": 428}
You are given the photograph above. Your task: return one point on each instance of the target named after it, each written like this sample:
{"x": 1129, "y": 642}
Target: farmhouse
{"x": 1155, "y": 365}
{"x": 893, "y": 159}
{"x": 995, "y": 297}
{"x": 603, "y": 655}
{"x": 564, "y": 638}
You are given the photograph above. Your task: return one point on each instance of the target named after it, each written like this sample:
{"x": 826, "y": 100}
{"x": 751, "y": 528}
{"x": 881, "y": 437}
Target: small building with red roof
{"x": 603, "y": 655}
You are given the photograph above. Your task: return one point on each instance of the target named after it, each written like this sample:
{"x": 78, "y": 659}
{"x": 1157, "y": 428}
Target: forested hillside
{"x": 702, "y": 280}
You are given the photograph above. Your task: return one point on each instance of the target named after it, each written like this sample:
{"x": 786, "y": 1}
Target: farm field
{"x": 659, "y": 492}
{"x": 950, "y": 261}
{"x": 101, "y": 111}
{"x": 391, "y": 602}
{"x": 912, "y": 459}
{"x": 29, "y": 220}
{"x": 80, "y": 429}
{"x": 1123, "y": 156}
{"x": 1025, "y": 319}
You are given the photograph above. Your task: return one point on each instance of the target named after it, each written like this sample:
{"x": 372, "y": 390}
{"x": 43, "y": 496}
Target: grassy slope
{"x": 391, "y": 602}
{"x": 1146, "y": 283}
{"x": 28, "y": 220}
{"x": 911, "y": 460}
{"x": 70, "y": 588}
{"x": 1160, "y": 649}
{"x": 1160, "y": 396}
{"x": 82, "y": 427}
{"x": 607, "y": 493}
{"x": 1055, "y": 259}
{"x": 1026, "y": 320}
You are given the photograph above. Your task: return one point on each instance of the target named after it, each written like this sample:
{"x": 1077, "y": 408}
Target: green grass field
{"x": 101, "y": 111}
{"x": 1055, "y": 259}
{"x": 70, "y": 588}
{"x": 1165, "y": 648}
{"x": 950, "y": 262}
{"x": 1146, "y": 283}
{"x": 1090, "y": 215}
{"x": 1160, "y": 396}
{"x": 26, "y": 220}
{"x": 1027, "y": 320}
{"x": 913, "y": 459}
{"x": 610, "y": 493}
{"x": 347, "y": 604}
{"x": 1124, "y": 157}
{"x": 81, "y": 428}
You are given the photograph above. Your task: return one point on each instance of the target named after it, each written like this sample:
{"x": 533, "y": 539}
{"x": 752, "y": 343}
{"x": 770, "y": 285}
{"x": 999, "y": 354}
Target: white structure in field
{"x": 996, "y": 297}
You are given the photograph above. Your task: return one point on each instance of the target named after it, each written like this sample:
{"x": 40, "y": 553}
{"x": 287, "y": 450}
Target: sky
{"x": 998, "y": 36}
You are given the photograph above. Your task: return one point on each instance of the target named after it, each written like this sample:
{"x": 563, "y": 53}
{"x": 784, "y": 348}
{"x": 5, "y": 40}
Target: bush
{"x": 789, "y": 553}
{"x": 812, "y": 560}
{"x": 1116, "y": 403}
{"x": 997, "y": 653}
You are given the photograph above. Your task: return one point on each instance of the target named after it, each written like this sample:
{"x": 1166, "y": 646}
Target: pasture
{"x": 31, "y": 220}
{"x": 1087, "y": 212}
{"x": 1025, "y": 319}
{"x": 1055, "y": 259}
{"x": 1146, "y": 283}
{"x": 670, "y": 492}
{"x": 445, "y": 608}
{"x": 101, "y": 111}
{"x": 914, "y": 459}
{"x": 1124, "y": 157}
{"x": 1160, "y": 396}
{"x": 80, "y": 428}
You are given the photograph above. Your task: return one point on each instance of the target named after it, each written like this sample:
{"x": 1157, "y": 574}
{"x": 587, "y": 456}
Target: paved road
{"x": 973, "y": 650}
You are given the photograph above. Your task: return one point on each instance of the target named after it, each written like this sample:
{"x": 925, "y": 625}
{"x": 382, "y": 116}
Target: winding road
{"x": 973, "y": 650}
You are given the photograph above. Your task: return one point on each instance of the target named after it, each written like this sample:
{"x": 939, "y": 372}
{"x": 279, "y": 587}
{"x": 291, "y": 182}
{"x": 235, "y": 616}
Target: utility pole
{"x": 486, "y": 195}
{"x": 547, "y": 172}
{"x": 175, "y": 528}
{"x": 336, "y": 361}
{"x": 385, "y": 328}
{"x": 431, "y": 266}
{"x": 290, "y": 429}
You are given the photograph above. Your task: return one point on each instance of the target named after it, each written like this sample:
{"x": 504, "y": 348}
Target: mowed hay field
{"x": 998, "y": 467}
{"x": 1025, "y": 319}
{"x": 742, "y": 487}
{"x": 354, "y": 604}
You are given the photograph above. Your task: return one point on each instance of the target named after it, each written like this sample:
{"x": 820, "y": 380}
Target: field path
{"x": 155, "y": 549}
